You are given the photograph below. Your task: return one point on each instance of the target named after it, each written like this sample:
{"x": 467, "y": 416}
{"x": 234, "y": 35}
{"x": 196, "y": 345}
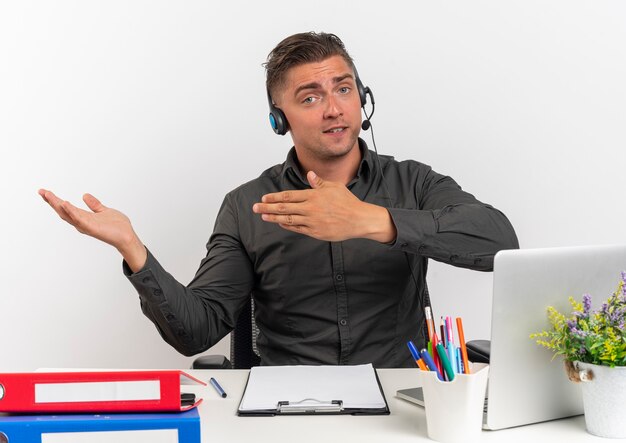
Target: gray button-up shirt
{"x": 318, "y": 302}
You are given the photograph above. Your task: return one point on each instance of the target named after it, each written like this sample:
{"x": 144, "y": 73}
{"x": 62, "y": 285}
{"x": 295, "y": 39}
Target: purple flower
{"x": 613, "y": 315}
{"x": 575, "y": 332}
{"x": 571, "y": 324}
{"x": 586, "y": 304}
{"x": 616, "y": 317}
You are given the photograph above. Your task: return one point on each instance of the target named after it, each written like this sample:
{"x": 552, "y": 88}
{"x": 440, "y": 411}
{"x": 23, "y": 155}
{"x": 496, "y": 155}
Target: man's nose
{"x": 332, "y": 107}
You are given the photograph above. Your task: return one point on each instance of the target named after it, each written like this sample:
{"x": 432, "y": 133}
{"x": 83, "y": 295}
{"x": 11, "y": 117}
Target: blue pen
{"x": 452, "y": 357}
{"x": 459, "y": 361}
{"x": 416, "y": 356}
{"x": 430, "y": 363}
{"x": 413, "y": 349}
{"x": 217, "y": 387}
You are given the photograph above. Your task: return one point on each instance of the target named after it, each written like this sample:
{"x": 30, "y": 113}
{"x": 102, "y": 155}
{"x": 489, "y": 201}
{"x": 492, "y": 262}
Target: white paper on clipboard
{"x": 356, "y": 387}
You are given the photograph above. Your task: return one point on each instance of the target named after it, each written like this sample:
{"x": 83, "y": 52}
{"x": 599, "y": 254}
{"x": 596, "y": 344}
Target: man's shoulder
{"x": 267, "y": 181}
{"x": 389, "y": 162}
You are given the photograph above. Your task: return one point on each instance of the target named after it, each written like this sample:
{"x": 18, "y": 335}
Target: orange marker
{"x": 459, "y": 327}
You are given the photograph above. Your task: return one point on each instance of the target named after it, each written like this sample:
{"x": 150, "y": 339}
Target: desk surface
{"x": 406, "y": 423}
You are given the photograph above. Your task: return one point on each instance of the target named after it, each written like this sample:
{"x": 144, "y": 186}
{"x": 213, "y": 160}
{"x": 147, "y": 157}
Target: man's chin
{"x": 339, "y": 150}
{"x": 326, "y": 150}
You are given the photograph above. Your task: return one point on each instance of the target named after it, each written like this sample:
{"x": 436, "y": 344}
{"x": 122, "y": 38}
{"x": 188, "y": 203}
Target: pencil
{"x": 430, "y": 326}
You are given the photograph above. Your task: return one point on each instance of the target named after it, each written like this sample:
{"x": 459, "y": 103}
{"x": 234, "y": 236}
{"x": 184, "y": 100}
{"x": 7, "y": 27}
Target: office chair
{"x": 243, "y": 351}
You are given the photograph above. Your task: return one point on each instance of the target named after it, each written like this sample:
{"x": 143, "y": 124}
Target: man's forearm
{"x": 463, "y": 235}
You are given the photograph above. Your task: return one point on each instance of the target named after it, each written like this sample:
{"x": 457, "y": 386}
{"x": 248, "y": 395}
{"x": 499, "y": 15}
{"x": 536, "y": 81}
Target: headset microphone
{"x": 365, "y": 125}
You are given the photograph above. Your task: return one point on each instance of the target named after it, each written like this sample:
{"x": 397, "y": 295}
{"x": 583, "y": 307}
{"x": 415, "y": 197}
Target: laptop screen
{"x": 525, "y": 384}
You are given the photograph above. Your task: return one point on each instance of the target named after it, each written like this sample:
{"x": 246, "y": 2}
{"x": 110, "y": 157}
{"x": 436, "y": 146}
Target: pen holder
{"x": 454, "y": 410}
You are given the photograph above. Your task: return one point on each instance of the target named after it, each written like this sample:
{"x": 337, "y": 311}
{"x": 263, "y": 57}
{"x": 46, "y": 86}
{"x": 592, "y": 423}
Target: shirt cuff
{"x": 145, "y": 280}
{"x": 414, "y": 229}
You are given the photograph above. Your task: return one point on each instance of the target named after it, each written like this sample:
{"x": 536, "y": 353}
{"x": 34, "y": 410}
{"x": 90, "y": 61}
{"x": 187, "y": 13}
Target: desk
{"x": 406, "y": 423}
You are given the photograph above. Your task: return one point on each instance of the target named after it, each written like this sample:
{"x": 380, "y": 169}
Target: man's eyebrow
{"x": 315, "y": 85}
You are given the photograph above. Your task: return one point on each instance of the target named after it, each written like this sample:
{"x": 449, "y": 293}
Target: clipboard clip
{"x": 309, "y": 406}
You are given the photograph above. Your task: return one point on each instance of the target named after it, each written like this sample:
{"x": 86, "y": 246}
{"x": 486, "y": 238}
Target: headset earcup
{"x": 362, "y": 91}
{"x": 278, "y": 121}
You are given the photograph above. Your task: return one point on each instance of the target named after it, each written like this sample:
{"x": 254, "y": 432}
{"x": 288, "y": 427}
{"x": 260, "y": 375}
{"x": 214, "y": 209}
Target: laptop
{"x": 525, "y": 384}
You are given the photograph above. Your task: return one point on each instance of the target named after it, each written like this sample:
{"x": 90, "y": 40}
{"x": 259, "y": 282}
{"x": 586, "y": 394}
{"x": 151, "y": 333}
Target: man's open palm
{"x": 106, "y": 224}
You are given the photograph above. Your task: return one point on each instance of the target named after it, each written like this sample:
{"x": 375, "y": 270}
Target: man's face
{"x": 322, "y": 105}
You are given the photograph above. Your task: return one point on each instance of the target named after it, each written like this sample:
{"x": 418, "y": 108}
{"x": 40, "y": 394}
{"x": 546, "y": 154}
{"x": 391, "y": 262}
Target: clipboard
{"x": 313, "y": 390}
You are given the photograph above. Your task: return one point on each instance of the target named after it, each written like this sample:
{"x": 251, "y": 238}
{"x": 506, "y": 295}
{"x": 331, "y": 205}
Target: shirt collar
{"x": 291, "y": 167}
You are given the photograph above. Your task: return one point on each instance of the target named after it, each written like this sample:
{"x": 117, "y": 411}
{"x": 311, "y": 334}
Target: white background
{"x": 158, "y": 108}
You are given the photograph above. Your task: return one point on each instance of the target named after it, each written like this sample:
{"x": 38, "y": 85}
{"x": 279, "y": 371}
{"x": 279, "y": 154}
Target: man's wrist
{"x": 381, "y": 227}
{"x": 134, "y": 253}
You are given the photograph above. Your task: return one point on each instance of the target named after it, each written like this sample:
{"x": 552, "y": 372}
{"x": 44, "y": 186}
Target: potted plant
{"x": 593, "y": 345}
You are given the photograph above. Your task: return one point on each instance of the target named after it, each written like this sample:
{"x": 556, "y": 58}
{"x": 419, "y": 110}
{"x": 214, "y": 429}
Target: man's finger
{"x": 49, "y": 197}
{"x": 286, "y": 197}
{"x": 56, "y": 204}
{"x": 314, "y": 180}
{"x": 73, "y": 213}
{"x": 300, "y": 229}
{"x": 278, "y": 208}
{"x": 288, "y": 219}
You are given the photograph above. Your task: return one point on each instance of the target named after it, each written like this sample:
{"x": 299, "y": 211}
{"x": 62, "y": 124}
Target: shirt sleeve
{"x": 451, "y": 225}
{"x": 193, "y": 318}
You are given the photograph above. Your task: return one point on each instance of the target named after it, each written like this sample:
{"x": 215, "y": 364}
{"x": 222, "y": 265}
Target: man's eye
{"x": 344, "y": 90}
{"x": 308, "y": 100}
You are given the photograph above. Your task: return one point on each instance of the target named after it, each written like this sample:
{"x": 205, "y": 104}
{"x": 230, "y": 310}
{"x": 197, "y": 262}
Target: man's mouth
{"x": 334, "y": 130}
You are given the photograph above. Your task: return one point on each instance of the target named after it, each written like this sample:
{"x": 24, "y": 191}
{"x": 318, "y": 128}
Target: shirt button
{"x": 169, "y": 317}
{"x": 158, "y": 292}
{"x": 420, "y": 250}
{"x": 343, "y": 322}
{"x": 339, "y": 277}
{"x": 146, "y": 279}
{"x": 404, "y": 245}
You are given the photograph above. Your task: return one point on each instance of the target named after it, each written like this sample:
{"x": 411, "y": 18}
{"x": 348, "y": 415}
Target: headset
{"x": 280, "y": 125}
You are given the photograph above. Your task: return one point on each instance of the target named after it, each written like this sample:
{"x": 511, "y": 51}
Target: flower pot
{"x": 604, "y": 394}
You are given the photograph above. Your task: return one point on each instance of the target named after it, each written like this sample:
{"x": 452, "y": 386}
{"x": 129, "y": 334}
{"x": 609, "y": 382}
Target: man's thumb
{"x": 93, "y": 203}
{"x": 314, "y": 180}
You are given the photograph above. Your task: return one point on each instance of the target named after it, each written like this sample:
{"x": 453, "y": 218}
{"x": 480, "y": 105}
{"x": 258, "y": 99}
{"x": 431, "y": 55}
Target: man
{"x": 333, "y": 253}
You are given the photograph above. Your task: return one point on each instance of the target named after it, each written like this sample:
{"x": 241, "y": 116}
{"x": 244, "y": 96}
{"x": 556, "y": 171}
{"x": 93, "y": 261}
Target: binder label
{"x": 97, "y": 391}
{"x": 151, "y": 436}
